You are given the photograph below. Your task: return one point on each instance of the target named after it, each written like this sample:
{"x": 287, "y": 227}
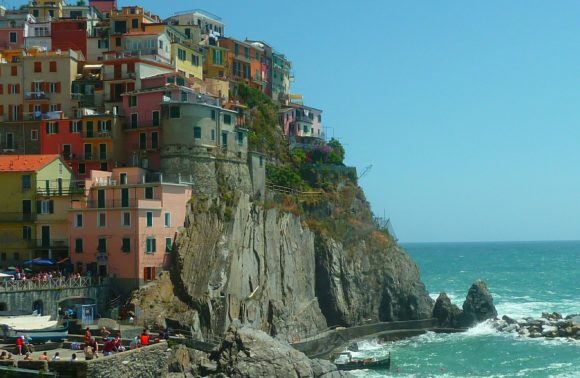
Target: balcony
{"x": 50, "y": 243}
{"x": 191, "y": 98}
{"x": 6, "y": 217}
{"x": 36, "y": 96}
{"x": 303, "y": 118}
{"x": 118, "y": 203}
{"x": 88, "y": 157}
{"x": 103, "y": 134}
{"x": 119, "y": 76}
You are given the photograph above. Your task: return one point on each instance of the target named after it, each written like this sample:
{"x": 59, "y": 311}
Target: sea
{"x": 524, "y": 278}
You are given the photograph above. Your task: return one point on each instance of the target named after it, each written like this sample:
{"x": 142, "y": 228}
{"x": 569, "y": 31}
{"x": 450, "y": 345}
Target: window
{"x": 174, "y": 112}
{"x": 33, "y": 134}
{"x": 236, "y": 49}
{"x": 149, "y": 192}
{"x": 155, "y": 139}
{"x": 134, "y": 120}
{"x": 52, "y": 128}
{"x": 82, "y": 168}
{"x": 10, "y": 141}
{"x": 118, "y": 41}
{"x": 76, "y": 126}
{"x": 142, "y": 141}
{"x": 45, "y": 207}
{"x": 241, "y": 138}
{"x": 151, "y": 245}
{"x": 197, "y": 132}
{"x": 212, "y": 134}
{"x": 247, "y": 52}
{"x": 14, "y": 71}
{"x": 26, "y": 182}
{"x": 13, "y": 88}
{"x": 103, "y": 44}
{"x": 149, "y": 219}
{"x": 195, "y": 60}
{"x": 126, "y": 245}
{"x": 101, "y": 219}
{"x": 123, "y": 178}
{"x": 53, "y": 107}
{"x": 156, "y": 118}
{"x": 100, "y": 199}
{"x": 79, "y": 245}
{"x": 149, "y": 273}
{"x": 52, "y": 66}
{"x": 102, "y": 246}
{"x": 135, "y": 23}
{"x": 27, "y": 233}
{"x": 126, "y": 219}
{"x": 213, "y": 115}
{"x": 37, "y": 66}
{"x": 167, "y": 220}
{"x": 13, "y": 37}
{"x": 217, "y": 57}
{"x": 132, "y": 101}
{"x": 168, "y": 245}
{"x": 181, "y": 54}
{"x": 227, "y": 119}
{"x": 78, "y": 220}
{"x": 52, "y": 88}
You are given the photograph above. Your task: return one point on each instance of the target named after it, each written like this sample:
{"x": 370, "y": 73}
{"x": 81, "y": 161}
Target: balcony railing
{"x": 119, "y": 76}
{"x": 303, "y": 118}
{"x": 191, "y": 98}
{"x": 36, "y": 96}
{"x": 116, "y": 203}
{"x": 97, "y": 134}
{"x": 53, "y": 283}
{"x": 7, "y": 217}
{"x": 50, "y": 243}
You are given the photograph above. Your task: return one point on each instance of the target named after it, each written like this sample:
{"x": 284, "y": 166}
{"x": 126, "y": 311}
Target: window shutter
{"x": 70, "y": 127}
{"x": 32, "y": 88}
{"x": 17, "y": 88}
{"x": 58, "y": 107}
{"x": 1, "y": 88}
{"x": 154, "y": 245}
{"x": 51, "y": 207}
{"x": 58, "y": 87}
{"x": 47, "y": 128}
{"x": 56, "y": 128}
{"x": 30, "y": 108}
{"x": 38, "y": 207}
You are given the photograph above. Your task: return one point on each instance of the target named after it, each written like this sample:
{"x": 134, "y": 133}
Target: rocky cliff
{"x": 271, "y": 264}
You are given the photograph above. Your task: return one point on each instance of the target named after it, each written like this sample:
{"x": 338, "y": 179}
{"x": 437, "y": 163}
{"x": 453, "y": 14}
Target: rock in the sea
{"x": 549, "y": 331}
{"x": 478, "y": 305}
{"x": 508, "y": 320}
{"x": 248, "y": 353}
{"x": 446, "y": 312}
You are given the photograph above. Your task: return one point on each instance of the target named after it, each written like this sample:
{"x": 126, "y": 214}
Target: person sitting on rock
{"x": 145, "y": 338}
{"x": 108, "y": 347}
{"x": 3, "y": 355}
{"x": 20, "y": 345}
{"x": 28, "y": 357}
{"x": 118, "y": 347}
{"x": 88, "y": 336}
{"x": 105, "y": 333}
{"x": 44, "y": 357}
{"x": 56, "y": 357}
{"x": 94, "y": 347}
{"x": 73, "y": 358}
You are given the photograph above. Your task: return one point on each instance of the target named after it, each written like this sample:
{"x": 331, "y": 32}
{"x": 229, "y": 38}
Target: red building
{"x": 105, "y": 6}
{"x": 69, "y": 34}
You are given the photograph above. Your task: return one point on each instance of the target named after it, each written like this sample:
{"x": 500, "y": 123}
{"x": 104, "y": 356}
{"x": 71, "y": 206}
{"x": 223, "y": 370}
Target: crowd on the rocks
{"x": 113, "y": 344}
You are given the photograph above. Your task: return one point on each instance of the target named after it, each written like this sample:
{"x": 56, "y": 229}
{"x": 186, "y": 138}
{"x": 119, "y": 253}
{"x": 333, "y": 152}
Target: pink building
{"x": 301, "y": 123}
{"x": 126, "y": 225}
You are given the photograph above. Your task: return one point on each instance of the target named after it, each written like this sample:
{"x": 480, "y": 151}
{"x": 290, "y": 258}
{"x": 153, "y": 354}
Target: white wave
{"x": 534, "y": 308}
{"x": 481, "y": 329}
{"x": 369, "y": 345}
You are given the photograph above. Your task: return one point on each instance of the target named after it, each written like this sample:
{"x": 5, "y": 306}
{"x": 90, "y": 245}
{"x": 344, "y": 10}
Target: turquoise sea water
{"x": 525, "y": 279}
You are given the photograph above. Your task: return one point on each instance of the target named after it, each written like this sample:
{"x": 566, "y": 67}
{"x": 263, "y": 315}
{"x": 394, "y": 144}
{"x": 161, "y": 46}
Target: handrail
{"x": 53, "y": 283}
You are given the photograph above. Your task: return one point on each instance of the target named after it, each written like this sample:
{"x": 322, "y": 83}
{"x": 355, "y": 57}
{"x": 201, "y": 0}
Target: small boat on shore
{"x": 28, "y": 322}
{"x": 35, "y": 335}
{"x": 345, "y": 361}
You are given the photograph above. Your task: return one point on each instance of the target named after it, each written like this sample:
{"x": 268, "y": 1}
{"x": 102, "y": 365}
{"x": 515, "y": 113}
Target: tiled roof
{"x": 25, "y": 163}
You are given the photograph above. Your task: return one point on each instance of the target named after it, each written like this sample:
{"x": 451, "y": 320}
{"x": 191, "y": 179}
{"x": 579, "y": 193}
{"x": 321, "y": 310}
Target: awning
{"x": 63, "y": 260}
{"x": 39, "y": 262}
{"x": 92, "y": 66}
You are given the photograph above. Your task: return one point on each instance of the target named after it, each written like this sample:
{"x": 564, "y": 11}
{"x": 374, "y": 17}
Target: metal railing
{"x": 53, "y": 283}
{"x": 50, "y": 243}
{"x": 36, "y": 96}
{"x": 191, "y": 98}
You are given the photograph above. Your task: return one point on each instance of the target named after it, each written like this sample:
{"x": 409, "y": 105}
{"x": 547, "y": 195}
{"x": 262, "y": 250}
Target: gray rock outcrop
{"x": 478, "y": 305}
{"x": 549, "y": 325}
{"x": 248, "y": 353}
{"x": 446, "y": 313}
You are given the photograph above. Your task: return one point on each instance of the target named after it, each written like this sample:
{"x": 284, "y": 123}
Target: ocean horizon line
{"x": 490, "y": 242}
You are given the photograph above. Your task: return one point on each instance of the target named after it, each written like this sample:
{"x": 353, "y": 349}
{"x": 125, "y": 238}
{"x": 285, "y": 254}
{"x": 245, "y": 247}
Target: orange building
{"x": 244, "y": 63}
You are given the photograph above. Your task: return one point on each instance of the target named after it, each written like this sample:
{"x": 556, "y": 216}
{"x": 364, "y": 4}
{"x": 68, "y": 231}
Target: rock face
{"x": 257, "y": 268}
{"x": 369, "y": 284}
{"x": 478, "y": 305}
{"x": 445, "y": 312}
{"x": 247, "y": 353}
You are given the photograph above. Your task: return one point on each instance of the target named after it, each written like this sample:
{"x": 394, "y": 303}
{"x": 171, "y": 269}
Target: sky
{"x": 468, "y": 111}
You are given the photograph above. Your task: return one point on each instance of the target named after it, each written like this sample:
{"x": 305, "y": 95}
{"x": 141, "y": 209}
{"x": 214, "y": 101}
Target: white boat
{"x": 28, "y": 322}
{"x": 38, "y": 335}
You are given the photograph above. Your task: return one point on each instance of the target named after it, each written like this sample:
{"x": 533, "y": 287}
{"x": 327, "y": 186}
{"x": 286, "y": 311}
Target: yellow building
{"x": 187, "y": 60}
{"x": 34, "y": 200}
{"x": 46, "y": 10}
{"x": 215, "y": 62}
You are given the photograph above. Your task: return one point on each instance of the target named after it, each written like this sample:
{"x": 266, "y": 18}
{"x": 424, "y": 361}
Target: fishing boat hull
{"x": 37, "y": 335}
{"x": 358, "y": 365}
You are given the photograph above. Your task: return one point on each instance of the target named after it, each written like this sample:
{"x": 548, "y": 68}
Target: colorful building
{"x": 126, "y": 225}
{"x": 244, "y": 63}
{"x": 35, "y": 198}
{"x": 208, "y": 23}
{"x": 302, "y": 125}
{"x": 46, "y": 10}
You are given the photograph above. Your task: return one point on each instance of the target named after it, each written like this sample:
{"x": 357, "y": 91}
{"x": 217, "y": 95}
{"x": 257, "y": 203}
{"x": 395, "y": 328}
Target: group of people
{"x": 4, "y": 356}
{"x": 21, "y": 275}
{"x": 110, "y": 344}
{"x": 24, "y": 345}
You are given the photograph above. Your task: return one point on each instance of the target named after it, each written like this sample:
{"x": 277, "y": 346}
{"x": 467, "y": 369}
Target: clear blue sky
{"x": 467, "y": 110}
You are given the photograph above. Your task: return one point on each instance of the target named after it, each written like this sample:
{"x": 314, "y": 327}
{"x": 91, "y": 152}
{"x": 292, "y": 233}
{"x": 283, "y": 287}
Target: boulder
{"x": 446, "y": 312}
{"x": 508, "y": 320}
{"x": 247, "y": 352}
{"x": 549, "y": 331}
{"x": 478, "y": 305}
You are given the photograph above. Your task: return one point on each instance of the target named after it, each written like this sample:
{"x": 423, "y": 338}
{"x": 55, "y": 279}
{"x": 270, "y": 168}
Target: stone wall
{"x": 50, "y": 298}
